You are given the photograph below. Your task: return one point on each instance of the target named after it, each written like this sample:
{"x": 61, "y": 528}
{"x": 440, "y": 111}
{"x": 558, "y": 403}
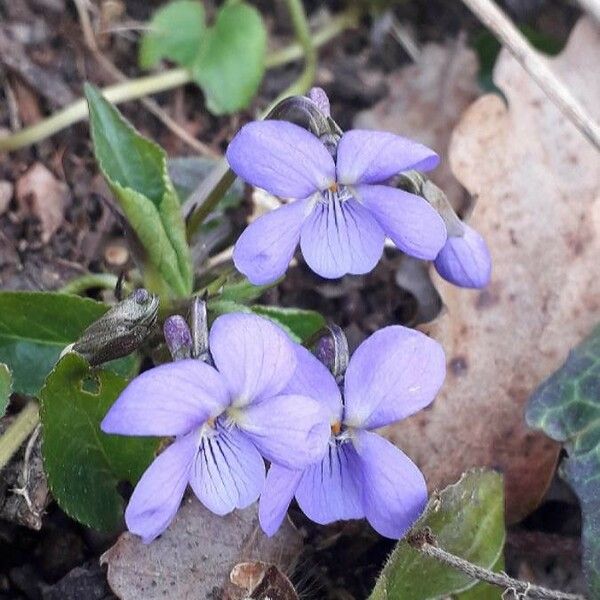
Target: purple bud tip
{"x": 332, "y": 351}
{"x": 178, "y": 337}
{"x": 465, "y": 260}
{"x": 141, "y": 296}
{"x": 319, "y": 97}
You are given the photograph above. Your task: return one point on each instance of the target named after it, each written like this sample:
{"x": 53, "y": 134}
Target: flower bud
{"x": 332, "y": 351}
{"x": 319, "y": 97}
{"x": 465, "y": 260}
{"x": 178, "y": 337}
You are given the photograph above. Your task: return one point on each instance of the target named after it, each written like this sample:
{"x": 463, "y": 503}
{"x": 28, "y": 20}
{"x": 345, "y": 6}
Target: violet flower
{"x": 465, "y": 259}
{"x": 393, "y": 374}
{"x": 225, "y": 419}
{"x": 341, "y": 210}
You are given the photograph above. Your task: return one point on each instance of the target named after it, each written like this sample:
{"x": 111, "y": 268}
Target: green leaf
{"x": 136, "y": 171}
{"x": 5, "y": 388}
{"x": 176, "y": 32}
{"x": 231, "y": 63}
{"x": 300, "y": 324}
{"x": 82, "y": 463}
{"x": 567, "y": 408}
{"x": 467, "y": 519}
{"x": 35, "y": 327}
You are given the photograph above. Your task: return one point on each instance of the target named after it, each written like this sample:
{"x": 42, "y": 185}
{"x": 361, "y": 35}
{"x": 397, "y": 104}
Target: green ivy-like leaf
{"x": 301, "y": 324}
{"x": 35, "y": 327}
{"x": 176, "y": 32}
{"x": 5, "y": 387}
{"x": 82, "y": 463}
{"x": 231, "y": 63}
{"x": 567, "y": 408}
{"x": 467, "y": 519}
{"x": 136, "y": 170}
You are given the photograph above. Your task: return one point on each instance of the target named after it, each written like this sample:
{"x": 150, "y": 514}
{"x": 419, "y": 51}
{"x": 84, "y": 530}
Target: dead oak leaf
{"x": 41, "y": 195}
{"x": 194, "y": 557}
{"x": 537, "y": 181}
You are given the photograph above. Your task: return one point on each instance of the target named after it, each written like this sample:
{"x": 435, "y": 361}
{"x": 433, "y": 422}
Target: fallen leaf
{"x": 537, "y": 180}
{"x": 42, "y": 196}
{"x": 261, "y": 581}
{"x": 6, "y": 192}
{"x": 425, "y": 102}
{"x": 194, "y": 557}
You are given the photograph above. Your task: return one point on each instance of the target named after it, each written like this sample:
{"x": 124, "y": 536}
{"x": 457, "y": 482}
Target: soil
{"x": 341, "y": 562}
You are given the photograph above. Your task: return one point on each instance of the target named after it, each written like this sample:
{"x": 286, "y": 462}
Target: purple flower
{"x": 225, "y": 419}
{"x": 393, "y": 374}
{"x": 465, "y": 260}
{"x": 341, "y": 210}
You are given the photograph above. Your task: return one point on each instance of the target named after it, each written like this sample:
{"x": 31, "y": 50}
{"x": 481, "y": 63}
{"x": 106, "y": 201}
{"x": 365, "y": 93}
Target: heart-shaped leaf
{"x": 175, "y": 32}
{"x": 231, "y": 62}
{"x": 467, "y": 519}
{"x": 82, "y": 463}
{"x": 567, "y": 408}
{"x": 35, "y": 327}
{"x": 136, "y": 170}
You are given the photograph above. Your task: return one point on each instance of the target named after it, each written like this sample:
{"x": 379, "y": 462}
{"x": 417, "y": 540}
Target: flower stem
{"x": 105, "y": 281}
{"x": 305, "y": 39}
{"x": 424, "y": 542}
{"x": 18, "y": 431}
{"x": 152, "y": 84}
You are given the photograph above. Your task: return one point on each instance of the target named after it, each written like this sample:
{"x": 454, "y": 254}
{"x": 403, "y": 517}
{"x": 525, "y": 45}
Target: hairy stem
{"x": 138, "y": 88}
{"x": 18, "y": 431}
{"x": 424, "y": 542}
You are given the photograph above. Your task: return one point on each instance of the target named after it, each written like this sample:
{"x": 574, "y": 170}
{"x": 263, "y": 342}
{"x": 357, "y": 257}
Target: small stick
{"x": 503, "y": 28}
{"x": 424, "y": 542}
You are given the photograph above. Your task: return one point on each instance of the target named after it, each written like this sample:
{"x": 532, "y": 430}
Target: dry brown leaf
{"x": 537, "y": 181}
{"x": 196, "y": 554}
{"x": 425, "y": 102}
{"x": 42, "y": 196}
{"x": 261, "y": 581}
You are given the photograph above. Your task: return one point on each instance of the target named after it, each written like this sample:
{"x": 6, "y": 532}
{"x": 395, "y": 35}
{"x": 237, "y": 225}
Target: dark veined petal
{"x": 254, "y": 356}
{"x": 279, "y": 489}
{"x": 228, "y": 472}
{"x": 313, "y": 379}
{"x": 466, "y": 260}
{"x": 282, "y": 158}
{"x": 394, "y": 492}
{"x": 331, "y": 489}
{"x": 266, "y": 247}
{"x": 157, "y": 496}
{"x": 394, "y": 373}
{"x": 289, "y": 430}
{"x": 409, "y": 221}
{"x": 375, "y": 156}
{"x": 171, "y": 399}
{"x": 341, "y": 237}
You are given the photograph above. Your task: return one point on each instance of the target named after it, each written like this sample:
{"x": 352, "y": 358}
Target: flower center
{"x": 336, "y": 428}
{"x": 335, "y": 193}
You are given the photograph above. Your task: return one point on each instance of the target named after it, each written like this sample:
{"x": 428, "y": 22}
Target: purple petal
{"x": 408, "y": 220}
{"x": 282, "y": 158}
{"x": 340, "y": 237}
{"x": 171, "y": 399}
{"x": 255, "y": 357}
{"x": 331, "y": 490}
{"x": 289, "y": 430}
{"x": 228, "y": 472}
{"x": 375, "y": 156}
{"x": 466, "y": 260}
{"x": 394, "y": 373}
{"x": 394, "y": 492}
{"x": 266, "y": 247}
{"x": 157, "y": 496}
{"x": 313, "y": 379}
{"x": 280, "y": 487}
